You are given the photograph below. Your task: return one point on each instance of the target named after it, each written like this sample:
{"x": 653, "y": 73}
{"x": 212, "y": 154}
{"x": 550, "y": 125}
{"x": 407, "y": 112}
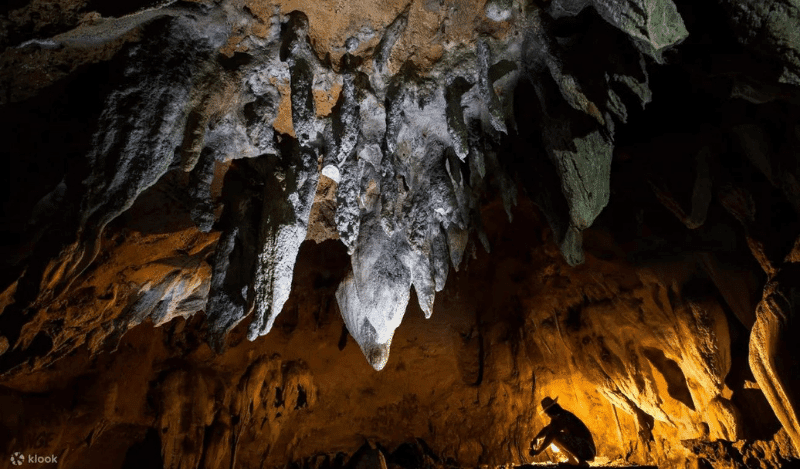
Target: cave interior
{"x": 376, "y": 235}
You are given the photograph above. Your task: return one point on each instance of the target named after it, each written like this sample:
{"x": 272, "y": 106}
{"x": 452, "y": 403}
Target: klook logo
{"x": 35, "y": 458}
{"x": 17, "y": 459}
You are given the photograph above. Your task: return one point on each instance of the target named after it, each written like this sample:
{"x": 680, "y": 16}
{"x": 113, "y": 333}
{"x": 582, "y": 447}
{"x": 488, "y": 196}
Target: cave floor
{"x": 565, "y": 465}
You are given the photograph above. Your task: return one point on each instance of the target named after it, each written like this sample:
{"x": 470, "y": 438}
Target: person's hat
{"x": 548, "y": 403}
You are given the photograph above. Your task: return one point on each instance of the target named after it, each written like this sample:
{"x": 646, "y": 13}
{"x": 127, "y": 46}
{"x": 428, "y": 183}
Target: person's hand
{"x": 532, "y": 450}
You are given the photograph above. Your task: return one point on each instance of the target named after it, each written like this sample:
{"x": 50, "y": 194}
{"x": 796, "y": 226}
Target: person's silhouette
{"x": 566, "y": 432}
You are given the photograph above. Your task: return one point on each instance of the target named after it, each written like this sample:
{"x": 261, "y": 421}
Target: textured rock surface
{"x": 592, "y": 199}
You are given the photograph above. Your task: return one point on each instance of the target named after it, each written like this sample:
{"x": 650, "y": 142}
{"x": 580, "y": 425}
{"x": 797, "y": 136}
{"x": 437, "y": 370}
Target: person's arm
{"x": 542, "y": 440}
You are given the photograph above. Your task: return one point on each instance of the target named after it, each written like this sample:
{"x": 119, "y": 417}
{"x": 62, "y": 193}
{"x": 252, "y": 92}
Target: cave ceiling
{"x": 240, "y": 233}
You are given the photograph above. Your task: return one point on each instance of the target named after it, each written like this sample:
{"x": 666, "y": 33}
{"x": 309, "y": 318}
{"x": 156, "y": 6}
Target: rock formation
{"x": 497, "y": 201}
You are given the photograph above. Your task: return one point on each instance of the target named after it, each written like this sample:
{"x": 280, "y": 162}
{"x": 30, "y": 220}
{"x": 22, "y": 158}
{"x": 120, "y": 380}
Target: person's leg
{"x": 568, "y": 447}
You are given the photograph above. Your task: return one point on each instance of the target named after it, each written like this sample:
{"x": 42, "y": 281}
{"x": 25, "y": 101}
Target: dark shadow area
{"x": 161, "y": 208}
{"x": 673, "y": 375}
{"x": 46, "y": 139}
{"x": 145, "y": 453}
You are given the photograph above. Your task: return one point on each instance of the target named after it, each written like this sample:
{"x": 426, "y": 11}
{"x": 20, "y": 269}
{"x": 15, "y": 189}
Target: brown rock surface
{"x": 466, "y": 381}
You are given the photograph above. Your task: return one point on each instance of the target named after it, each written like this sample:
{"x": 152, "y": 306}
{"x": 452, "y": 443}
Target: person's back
{"x": 577, "y": 433}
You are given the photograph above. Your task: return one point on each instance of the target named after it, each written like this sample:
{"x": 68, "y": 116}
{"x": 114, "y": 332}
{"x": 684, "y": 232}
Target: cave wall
{"x": 214, "y": 212}
{"x": 622, "y": 346}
